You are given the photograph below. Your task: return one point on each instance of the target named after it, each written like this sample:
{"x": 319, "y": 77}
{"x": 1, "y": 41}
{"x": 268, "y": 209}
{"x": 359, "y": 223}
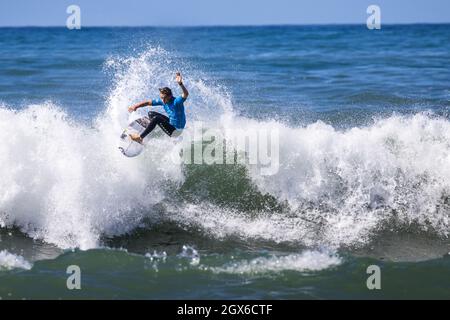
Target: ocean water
{"x": 363, "y": 119}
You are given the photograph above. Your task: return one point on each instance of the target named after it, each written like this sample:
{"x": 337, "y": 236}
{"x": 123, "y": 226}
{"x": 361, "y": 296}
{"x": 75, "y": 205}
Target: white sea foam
{"x": 351, "y": 182}
{"x": 302, "y": 262}
{"x": 67, "y": 183}
{"x": 190, "y": 253}
{"x": 10, "y": 261}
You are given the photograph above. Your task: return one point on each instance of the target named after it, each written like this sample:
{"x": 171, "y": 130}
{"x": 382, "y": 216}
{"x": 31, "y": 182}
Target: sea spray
{"x": 68, "y": 184}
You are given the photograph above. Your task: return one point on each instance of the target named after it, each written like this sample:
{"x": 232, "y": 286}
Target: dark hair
{"x": 166, "y": 91}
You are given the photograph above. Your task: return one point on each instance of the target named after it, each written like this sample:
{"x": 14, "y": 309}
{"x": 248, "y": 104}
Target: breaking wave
{"x": 66, "y": 183}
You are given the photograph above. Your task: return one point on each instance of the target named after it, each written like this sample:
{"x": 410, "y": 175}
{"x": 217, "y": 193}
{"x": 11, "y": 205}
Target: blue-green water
{"x": 363, "y": 176}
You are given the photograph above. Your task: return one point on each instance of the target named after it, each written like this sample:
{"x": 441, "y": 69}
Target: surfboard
{"x": 127, "y": 146}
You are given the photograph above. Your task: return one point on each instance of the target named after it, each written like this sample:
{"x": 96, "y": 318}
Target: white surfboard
{"x": 127, "y": 146}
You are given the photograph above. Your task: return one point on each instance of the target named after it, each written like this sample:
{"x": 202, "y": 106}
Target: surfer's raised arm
{"x": 179, "y": 80}
{"x": 140, "y": 105}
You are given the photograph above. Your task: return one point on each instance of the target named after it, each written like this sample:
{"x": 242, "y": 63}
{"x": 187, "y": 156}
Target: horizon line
{"x": 227, "y": 25}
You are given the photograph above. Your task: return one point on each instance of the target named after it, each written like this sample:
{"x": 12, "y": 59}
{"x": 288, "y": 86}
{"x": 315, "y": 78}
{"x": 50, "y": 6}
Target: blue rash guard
{"x": 175, "y": 111}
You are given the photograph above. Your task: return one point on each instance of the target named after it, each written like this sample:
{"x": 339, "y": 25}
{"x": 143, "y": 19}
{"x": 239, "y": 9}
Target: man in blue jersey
{"x": 174, "y": 108}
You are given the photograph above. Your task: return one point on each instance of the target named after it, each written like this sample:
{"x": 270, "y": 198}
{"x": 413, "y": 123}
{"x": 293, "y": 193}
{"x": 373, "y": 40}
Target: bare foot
{"x": 136, "y": 137}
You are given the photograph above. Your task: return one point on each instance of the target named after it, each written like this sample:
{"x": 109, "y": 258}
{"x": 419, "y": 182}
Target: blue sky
{"x": 219, "y": 12}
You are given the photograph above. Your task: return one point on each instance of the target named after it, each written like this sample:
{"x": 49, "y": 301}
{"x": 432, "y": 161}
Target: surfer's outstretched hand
{"x": 179, "y": 78}
{"x": 136, "y": 137}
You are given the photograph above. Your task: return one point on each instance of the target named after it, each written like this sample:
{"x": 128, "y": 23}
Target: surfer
{"x": 174, "y": 107}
